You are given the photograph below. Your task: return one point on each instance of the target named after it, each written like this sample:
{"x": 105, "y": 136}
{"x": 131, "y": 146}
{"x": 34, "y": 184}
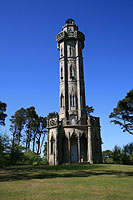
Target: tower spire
{"x": 70, "y": 42}
{"x": 74, "y": 136}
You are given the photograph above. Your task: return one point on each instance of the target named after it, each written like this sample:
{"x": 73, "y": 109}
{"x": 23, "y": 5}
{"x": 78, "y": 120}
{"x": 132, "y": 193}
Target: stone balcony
{"x": 70, "y": 35}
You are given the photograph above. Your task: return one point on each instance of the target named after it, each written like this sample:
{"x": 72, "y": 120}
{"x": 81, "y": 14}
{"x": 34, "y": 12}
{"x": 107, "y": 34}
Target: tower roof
{"x": 70, "y": 21}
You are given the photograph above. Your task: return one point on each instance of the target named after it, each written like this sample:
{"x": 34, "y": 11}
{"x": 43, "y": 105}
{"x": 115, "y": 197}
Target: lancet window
{"x": 70, "y": 51}
{"x": 62, "y": 100}
{"x": 61, "y": 73}
{"x": 72, "y": 74}
{"x": 52, "y": 145}
{"x": 72, "y": 100}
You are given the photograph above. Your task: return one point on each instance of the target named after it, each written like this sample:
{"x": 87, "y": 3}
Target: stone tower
{"x": 74, "y": 136}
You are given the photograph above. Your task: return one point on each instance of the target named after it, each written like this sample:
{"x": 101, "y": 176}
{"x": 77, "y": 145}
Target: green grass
{"x": 66, "y": 182}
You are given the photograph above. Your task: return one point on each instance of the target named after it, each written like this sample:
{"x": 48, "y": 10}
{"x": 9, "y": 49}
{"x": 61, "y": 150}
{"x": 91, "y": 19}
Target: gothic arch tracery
{"x": 72, "y": 72}
{"x": 73, "y": 99}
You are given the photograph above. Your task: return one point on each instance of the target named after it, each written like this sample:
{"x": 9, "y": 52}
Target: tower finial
{"x": 70, "y": 21}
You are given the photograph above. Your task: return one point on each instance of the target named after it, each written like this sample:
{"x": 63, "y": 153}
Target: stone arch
{"x": 95, "y": 140}
{"x": 74, "y": 147}
{"x": 65, "y": 150}
{"x": 83, "y": 147}
{"x": 95, "y": 149}
{"x": 52, "y": 143}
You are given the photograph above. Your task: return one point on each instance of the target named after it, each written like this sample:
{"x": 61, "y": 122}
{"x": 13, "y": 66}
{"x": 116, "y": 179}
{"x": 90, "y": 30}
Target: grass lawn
{"x": 66, "y": 182}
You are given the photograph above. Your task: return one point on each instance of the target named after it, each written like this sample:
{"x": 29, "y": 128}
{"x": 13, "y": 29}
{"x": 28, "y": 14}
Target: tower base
{"x": 69, "y": 142}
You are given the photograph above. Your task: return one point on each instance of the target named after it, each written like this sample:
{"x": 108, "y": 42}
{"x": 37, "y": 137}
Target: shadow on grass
{"x": 16, "y": 173}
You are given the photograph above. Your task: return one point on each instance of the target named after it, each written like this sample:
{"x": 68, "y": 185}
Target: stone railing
{"x": 60, "y": 36}
{"x": 76, "y": 35}
{"x": 71, "y": 122}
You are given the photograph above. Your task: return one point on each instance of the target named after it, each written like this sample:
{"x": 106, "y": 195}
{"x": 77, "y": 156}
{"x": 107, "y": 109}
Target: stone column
{"x": 79, "y": 149}
{"x": 56, "y": 147}
{"x": 90, "y": 160}
{"x": 48, "y": 147}
{"x": 69, "y": 148}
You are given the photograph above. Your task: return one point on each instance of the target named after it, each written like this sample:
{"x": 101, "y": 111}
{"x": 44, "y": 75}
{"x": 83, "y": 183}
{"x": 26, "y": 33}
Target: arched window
{"x": 71, "y": 71}
{"x": 52, "y": 145}
{"x": 72, "y": 100}
{"x": 73, "y": 119}
{"x": 62, "y": 100}
{"x": 61, "y": 73}
{"x": 70, "y": 51}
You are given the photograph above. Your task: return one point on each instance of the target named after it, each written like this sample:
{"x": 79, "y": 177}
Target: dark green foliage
{"x": 45, "y": 149}
{"x": 52, "y": 115}
{"x": 4, "y": 150}
{"x": 89, "y": 109}
{"x": 28, "y": 129}
{"x": 2, "y": 113}
{"x": 44, "y": 161}
{"x": 123, "y": 113}
{"x": 107, "y": 156}
{"x": 16, "y": 154}
{"x": 119, "y": 155}
{"x": 18, "y": 122}
{"x": 31, "y": 124}
{"x": 128, "y": 154}
{"x": 31, "y": 158}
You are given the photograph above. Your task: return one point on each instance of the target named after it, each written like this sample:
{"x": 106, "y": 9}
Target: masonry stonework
{"x": 73, "y": 136}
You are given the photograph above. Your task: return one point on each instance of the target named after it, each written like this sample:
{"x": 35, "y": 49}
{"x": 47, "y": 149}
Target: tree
{"x": 2, "y": 113}
{"x": 41, "y": 132}
{"x": 117, "y": 154}
{"x": 18, "y": 122}
{"x": 4, "y": 149}
{"x": 107, "y": 156}
{"x": 31, "y": 120}
{"x": 123, "y": 113}
{"x": 28, "y": 129}
{"x": 89, "y": 109}
{"x": 45, "y": 149}
{"x": 128, "y": 154}
{"x": 52, "y": 115}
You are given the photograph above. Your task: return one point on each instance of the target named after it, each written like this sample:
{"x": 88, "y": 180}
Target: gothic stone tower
{"x": 74, "y": 136}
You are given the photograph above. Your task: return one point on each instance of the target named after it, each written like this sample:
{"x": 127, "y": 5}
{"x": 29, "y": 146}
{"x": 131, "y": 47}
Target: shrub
{"x": 31, "y": 158}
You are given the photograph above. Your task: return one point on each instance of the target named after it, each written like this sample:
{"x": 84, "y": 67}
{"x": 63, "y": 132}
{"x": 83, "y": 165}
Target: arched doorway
{"x": 74, "y": 149}
{"x": 83, "y": 148}
{"x": 65, "y": 151}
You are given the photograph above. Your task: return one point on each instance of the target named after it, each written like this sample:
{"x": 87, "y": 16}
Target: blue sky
{"x": 29, "y": 59}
